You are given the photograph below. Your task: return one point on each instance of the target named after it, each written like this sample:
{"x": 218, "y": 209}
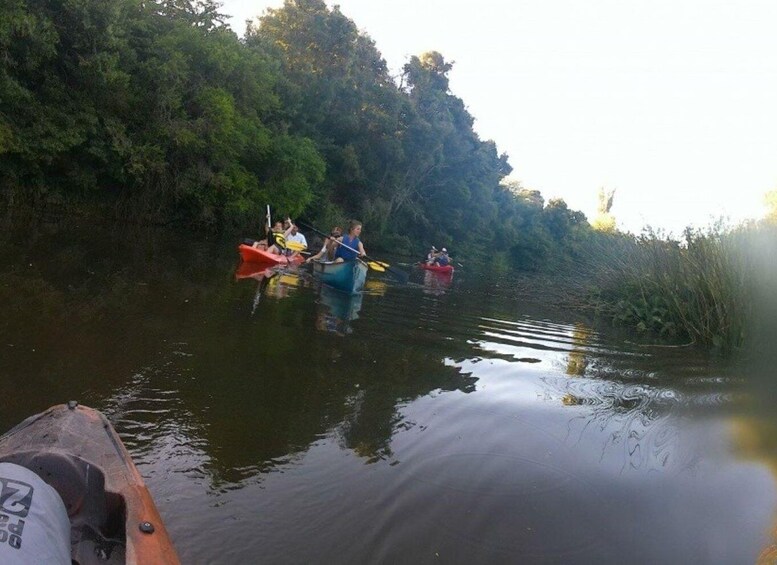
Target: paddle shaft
{"x": 322, "y": 234}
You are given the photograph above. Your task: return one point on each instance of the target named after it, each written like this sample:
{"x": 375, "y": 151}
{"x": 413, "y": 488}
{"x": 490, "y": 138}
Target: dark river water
{"x": 463, "y": 419}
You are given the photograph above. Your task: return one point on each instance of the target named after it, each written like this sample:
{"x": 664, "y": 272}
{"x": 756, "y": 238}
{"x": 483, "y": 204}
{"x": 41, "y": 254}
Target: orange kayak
{"x": 113, "y": 518}
{"x": 257, "y": 271}
{"x": 253, "y": 255}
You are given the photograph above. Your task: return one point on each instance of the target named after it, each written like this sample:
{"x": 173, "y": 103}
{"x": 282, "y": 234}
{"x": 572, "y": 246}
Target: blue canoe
{"x": 347, "y": 276}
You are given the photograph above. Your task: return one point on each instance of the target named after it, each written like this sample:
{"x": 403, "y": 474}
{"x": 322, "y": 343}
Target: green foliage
{"x": 158, "y": 105}
{"x": 336, "y": 90}
{"x": 703, "y": 287}
{"x": 159, "y": 112}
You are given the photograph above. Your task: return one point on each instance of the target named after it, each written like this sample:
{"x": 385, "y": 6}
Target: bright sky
{"x": 671, "y": 102}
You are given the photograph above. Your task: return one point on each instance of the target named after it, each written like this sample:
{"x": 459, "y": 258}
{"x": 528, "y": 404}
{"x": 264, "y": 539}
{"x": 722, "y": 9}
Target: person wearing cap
{"x": 442, "y": 258}
{"x": 431, "y": 255}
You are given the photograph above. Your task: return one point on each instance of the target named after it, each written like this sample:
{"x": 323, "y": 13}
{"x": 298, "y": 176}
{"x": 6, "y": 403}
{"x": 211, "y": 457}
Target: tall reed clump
{"x": 702, "y": 287}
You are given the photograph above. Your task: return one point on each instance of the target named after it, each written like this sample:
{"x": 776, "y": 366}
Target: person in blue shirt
{"x": 442, "y": 259}
{"x": 350, "y": 245}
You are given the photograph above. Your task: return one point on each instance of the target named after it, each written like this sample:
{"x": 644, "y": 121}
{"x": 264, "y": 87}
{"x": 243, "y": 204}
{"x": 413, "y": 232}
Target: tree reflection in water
{"x": 210, "y": 399}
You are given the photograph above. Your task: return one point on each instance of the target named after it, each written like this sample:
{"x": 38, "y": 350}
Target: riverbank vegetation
{"x": 714, "y": 287}
{"x": 157, "y": 113}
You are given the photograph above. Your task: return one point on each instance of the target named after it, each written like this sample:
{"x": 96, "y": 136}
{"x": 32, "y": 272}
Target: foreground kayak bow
{"x": 112, "y": 516}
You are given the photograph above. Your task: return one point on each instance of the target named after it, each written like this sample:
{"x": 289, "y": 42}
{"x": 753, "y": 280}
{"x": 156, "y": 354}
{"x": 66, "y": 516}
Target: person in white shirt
{"x": 294, "y": 235}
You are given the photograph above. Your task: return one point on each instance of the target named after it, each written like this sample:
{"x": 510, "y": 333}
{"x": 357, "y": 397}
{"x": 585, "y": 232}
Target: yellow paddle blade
{"x": 295, "y": 246}
{"x": 376, "y": 266}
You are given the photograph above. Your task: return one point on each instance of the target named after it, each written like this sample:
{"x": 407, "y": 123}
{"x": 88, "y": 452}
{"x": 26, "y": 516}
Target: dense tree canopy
{"x": 159, "y": 112}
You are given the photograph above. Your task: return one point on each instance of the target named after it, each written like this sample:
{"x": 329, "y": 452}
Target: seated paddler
{"x": 350, "y": 246}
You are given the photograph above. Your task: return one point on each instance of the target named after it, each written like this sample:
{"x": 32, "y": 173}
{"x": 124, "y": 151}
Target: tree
{"x": 454, "y": 177}
{"x": 156, "y": 106}
{"x": 157, "y": 111}
{"x": 337, "y": 91}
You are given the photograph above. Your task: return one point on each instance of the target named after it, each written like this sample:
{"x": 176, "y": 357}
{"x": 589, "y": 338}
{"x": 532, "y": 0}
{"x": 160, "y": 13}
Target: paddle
{"x": 283, "y": 243}
{"x": 295, "y": 246}
{"x": 374, "y": 264}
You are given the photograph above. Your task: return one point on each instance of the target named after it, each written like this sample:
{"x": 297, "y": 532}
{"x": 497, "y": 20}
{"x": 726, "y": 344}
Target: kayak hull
{"x": 113, "y": 518}
{"x": 346, "y": 276}
{"x": 256, "y": 271}
{"x": 253, "y": 255}
{"x": 436, "y": 268}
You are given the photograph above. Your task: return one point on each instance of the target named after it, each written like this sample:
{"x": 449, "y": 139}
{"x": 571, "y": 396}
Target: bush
{"x": 702, "y": 287}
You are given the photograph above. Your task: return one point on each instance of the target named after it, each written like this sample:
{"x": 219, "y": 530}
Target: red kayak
{"x": 254, "y": 255}
{"x": 436, "y": 268}
{"x": 256, "y": 271}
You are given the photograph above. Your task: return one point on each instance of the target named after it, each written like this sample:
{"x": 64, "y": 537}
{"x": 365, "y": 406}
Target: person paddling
{"x": 329, "y": 248}
{"x": 275, "y": 242}
{"x": 350, "y": 246}
{"x": 442, "y": 258}
{"x": 269, "y": 242}
{"x": 293, "y": 235}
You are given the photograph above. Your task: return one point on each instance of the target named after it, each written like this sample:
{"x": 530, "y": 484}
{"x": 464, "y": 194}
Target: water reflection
{"x": 577, "y": 358}
{"x": 437, "y": 283}
{"x": 336, "y": 310}
{"x": 630, "y": 399}
{"x": 637, "y": 416}
{"x": 256, "y": 271}
{"x": 755, "y": 437}
{"x": 272, "y": 281}
{"x": 283, "y": 284}
{"x": 477, "y": 427}
{"x": 260, "y": 273}
{"x": 375, "y": 287}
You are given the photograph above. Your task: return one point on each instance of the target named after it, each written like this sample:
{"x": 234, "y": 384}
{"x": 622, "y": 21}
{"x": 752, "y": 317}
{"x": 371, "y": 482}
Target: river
{"x": 463, "y": 419}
